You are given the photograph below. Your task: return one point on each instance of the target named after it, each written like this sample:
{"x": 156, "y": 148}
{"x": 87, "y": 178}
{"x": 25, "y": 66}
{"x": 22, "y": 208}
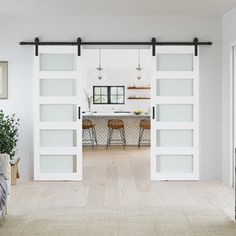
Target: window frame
{"x": 109, "y": 94}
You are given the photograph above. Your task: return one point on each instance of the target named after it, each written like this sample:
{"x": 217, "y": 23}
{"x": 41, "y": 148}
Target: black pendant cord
{"x": 153, "y": 43}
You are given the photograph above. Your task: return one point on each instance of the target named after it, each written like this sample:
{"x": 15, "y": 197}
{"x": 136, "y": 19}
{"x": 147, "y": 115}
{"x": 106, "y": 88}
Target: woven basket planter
{"x": 14, "y": 172}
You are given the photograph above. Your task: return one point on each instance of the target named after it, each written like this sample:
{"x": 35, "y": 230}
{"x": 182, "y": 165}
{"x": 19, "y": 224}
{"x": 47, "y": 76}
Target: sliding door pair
{"x": 57, "y": 114}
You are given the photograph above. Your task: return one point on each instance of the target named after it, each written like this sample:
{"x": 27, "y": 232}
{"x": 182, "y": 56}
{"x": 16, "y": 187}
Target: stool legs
{"x": 140, "y": 136}
{"x": 122, "y": 137}
{"x": 95, "y": 135}
{"x": 109, "y": 136}
{"x": 140, "y": 139}
{"x": 92, "y": 136}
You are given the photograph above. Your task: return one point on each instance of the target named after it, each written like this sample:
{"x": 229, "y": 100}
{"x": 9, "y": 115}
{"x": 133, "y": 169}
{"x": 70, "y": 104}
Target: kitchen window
{"x": 108, "y": 94}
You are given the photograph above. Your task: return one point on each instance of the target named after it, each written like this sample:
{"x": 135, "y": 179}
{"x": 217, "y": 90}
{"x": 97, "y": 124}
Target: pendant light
{"x": 99, "y": 68}
{"x": 139, "y": 68}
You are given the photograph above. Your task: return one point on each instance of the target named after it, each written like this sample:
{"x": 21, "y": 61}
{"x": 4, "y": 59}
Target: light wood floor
{"x": 117, "y": 198}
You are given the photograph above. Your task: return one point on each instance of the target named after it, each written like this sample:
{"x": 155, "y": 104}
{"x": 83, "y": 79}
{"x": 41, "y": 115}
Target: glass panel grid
{"x": 108, "y": 94}
{"x": 57, "y": 163}
{"x": 174, "y": 138}
{"x": 174, "y": 113}
{"x": 57, "y": 87}
{"x": 57, "y": 113}
{"x": 174, "y": 87}
{"x": 58, "y": 138}
{"x": 57, "y": 62}
{"x": 174, "y": 163}
{"x": 174, "y": 62}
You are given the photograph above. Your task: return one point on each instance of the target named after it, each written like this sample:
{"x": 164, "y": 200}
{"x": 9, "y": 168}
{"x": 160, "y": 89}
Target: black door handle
{"x": 153, "y": 113}
{"x": 79, "y": 115}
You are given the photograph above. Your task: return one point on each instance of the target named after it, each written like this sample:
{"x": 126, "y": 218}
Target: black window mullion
{"x": 109, "y": 94}
{"x": 117, "y": 94}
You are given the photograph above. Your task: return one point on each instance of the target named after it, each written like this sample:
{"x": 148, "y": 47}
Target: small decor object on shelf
{"x": 138, "y": 112}
{"x": 3, "y": 79}
{"x": 89, "y": 100}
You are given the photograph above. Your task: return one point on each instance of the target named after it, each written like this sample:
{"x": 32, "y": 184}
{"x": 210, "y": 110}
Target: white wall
{"x": 119, "y": 68}
{"x": 115, "y": 28}
{"x": 229, "y": 38}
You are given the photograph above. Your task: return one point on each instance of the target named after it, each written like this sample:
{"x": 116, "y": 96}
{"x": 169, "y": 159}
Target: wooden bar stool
{"x": 116, "y": 124}
{"x": 90, "y": 128}
{"x": 143, "y": 125}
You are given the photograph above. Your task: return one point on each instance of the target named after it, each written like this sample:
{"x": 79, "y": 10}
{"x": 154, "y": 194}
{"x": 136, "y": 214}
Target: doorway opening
{"x": 116, "y": 109}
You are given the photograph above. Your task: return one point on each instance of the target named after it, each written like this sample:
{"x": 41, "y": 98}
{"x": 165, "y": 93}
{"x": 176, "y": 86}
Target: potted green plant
{"x": 8, "y": 139}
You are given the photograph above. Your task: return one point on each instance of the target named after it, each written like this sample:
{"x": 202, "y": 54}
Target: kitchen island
{"x": 131, "y": 122}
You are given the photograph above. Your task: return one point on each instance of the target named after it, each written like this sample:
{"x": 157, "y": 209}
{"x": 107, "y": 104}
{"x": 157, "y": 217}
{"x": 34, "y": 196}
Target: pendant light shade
{"x": 99, "y": 68}
{"x": 139, "y": 68}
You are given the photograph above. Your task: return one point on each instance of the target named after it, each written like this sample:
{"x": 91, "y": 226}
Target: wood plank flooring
{"x": 118, "y": 198}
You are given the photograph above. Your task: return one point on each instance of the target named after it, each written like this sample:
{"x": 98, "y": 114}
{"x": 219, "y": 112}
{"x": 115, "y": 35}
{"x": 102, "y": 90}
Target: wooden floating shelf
{"x": 141, "y": 98}
{"x": 138, "y": 87}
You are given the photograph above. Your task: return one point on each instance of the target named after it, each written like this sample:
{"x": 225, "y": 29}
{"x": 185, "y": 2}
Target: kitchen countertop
{"x": 114, "y": 114}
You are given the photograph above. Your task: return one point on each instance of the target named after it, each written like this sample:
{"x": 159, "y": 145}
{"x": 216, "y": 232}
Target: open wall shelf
{"x": 140, "y": 98}
{"x": 138, "y": 87}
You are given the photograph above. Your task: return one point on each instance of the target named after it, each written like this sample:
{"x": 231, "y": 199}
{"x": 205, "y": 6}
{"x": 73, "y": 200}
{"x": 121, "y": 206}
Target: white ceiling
{"x": 164, "y": 7}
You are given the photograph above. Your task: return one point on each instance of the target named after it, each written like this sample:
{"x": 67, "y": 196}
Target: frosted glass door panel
{"x": 57, "y": 87}
{"x": 57, "y": 138}
{"x": 57, "y": 163}
{"x": 50, "y": 113}
{"x": 174, "y": 138}
{"x": 57, "y": 62}
{"x": 174, "y": 87}
{"x": 174, "y": 113}
{"x": 175, "y": 163}
{"x": 174, "y": 62}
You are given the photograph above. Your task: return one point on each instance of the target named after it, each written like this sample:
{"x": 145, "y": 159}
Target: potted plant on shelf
{"x": 8, "y": 141}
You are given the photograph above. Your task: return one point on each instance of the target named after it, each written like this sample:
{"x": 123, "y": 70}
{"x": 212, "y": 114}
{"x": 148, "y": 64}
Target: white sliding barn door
{"x": 57, "y": 118}
{"x": 175, "y": 121}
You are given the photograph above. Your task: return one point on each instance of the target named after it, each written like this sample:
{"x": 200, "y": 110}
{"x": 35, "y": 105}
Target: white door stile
{"x": 157, "y": 125}
{"x": 36, "y": 116}
{"x": 79, "y": 119}
{"x": 75, "y": 125}
{"x": 196, "y": 115}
